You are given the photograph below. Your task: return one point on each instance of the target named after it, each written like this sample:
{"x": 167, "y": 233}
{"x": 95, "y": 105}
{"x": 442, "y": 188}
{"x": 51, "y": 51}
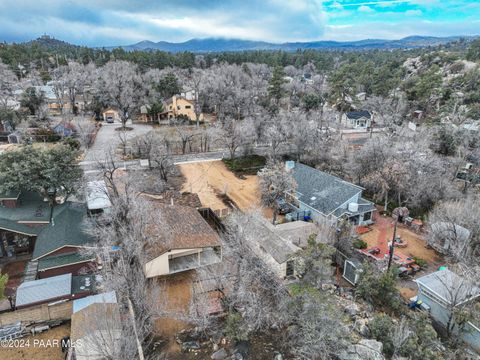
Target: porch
{"x": 202, "y": 257}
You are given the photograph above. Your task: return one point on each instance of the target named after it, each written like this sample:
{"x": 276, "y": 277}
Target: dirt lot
{"x": 210, "y": 179}
{"x": 177, "y": 295}
{"x": 37, "y": 351}
{"x": 382, "y": 233}
{"x": 15, "y": 271}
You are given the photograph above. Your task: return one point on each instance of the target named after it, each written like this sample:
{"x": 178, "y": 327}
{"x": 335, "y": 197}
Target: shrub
{"x": 359, "y": 244}
{"x": 234, "y": 328}
{"x": 420, "y": 262}
{"x": 379, "y": 288}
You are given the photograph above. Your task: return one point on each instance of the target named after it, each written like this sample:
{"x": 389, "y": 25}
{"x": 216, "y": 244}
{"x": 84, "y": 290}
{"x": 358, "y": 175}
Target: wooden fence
{"x": 62, "y": 311}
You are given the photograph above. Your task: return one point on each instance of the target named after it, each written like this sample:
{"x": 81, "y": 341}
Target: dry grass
{"x": 39, "y": 352}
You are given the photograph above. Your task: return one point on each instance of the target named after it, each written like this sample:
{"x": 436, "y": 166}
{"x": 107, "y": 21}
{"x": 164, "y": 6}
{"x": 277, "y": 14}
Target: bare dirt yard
{"x": 211, "y": 179}
{"x": 42, "y": 348}
{"x": 177, "y": 293}
{"x": 382, "y": 233}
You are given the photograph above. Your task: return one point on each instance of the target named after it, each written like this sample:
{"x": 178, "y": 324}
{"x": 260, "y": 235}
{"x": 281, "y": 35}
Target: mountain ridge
{"x": 225, "y": 44}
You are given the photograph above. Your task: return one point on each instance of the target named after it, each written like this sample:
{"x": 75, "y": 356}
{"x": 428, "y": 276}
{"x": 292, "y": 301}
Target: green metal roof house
{"x": 25, "y": 228}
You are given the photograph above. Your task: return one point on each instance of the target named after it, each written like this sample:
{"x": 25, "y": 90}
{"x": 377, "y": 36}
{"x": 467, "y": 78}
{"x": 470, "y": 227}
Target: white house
{"x": 328, "y": 197}
{"x": 357, "y": 119}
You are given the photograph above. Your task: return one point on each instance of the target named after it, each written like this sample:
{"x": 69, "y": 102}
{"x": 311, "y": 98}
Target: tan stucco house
{"x": 185, "y": 242}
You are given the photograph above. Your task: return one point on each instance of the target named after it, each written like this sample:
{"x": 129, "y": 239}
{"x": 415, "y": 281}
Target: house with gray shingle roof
{"x": 357, "y": 119}
{"x": 328, "y": 197}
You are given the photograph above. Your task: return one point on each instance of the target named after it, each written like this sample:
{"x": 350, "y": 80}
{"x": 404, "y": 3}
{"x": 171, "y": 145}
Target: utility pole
{"x": 397, "y": 213}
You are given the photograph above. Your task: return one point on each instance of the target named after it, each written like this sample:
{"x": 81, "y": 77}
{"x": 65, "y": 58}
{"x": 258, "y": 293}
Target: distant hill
{"x": 51, "y": 44}
{"x": 220, "y": 44}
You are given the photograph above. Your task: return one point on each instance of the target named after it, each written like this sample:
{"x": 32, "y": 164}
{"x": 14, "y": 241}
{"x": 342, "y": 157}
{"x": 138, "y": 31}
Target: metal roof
{"x": 358, "y": 114}
{"x": 449, "y": 286}
{"x": 43, "y": 290}
{"x": 97, "y": 195}
{"x": 103, "y": 298}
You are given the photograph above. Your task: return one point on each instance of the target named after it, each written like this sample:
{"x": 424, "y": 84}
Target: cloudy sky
{"x": 121, "y": 22}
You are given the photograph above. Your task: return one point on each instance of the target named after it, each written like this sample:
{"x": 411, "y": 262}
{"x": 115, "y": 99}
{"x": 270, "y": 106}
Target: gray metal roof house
{"x": 328, "y": 197}
{"x": 443, "y": 290}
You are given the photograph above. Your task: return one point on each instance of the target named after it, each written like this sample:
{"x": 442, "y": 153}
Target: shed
{"x": 351, "y": 270}
{"x": 44, "y": 290}
{"x": 97, "y": 197}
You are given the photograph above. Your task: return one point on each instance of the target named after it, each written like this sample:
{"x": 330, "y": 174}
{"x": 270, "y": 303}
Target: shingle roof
{"x": 65, "y": 230}
{"x": 61, "y": 260}
{"x": 449, "y": 286}
{"x": 180, "y": 227}
{"x": 358, "y": 114}
{"x": 42, "y": 290}
{"x": 30, "y": 209}
{"x": 322, "y": 191}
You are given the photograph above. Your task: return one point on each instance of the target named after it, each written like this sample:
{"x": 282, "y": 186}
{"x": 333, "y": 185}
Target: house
{"x": 96, "y": 327}
{"x": 54, "y": 237}
{"x": 64, "y": 129}
{"x": 178, "y": 107}
{"x": 358, "y": 119}
{"x": 58, "y": 248}
{"x": 185, "y": 242}
{"x": 52, "y": 289}
{"x": 111, "y": 115}
{"x": 441, "y": 293}
{"x": 328, "y": 197}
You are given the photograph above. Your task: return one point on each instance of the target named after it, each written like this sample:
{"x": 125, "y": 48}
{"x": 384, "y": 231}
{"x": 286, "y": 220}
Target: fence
{"x": 62, "y": 311}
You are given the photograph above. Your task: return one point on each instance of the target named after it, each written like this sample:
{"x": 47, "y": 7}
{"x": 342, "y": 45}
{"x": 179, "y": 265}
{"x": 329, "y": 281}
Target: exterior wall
{"x": 160, "y": 265}
{"x": 471, "y": 334}
{"x": 181, "y": 107}
{"x": 351, "y": 123}
{"x": 62, "y": 311}
{"x": 74, "y": 269}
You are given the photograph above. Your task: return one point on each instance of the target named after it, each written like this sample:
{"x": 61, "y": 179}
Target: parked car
{"x": 110, "y": 119}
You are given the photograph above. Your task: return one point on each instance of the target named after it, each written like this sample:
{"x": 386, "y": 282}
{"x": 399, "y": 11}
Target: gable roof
{"x": 354, "y": 115}
{"x": 30, "y": 209}
{"x": 182, "y": 227}
{"x": 449, "y": 286}
{"x": 36, "y": 291}
{"x": 102, "y": 298}
{"x": 321, "y": 191}
{"x": 66, "y": 230}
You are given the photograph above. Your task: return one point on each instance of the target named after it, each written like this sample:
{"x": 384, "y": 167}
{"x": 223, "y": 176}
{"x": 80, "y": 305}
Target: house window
{"x": 188, "y": 107}
{"x": 178, "y": 107}
{"x": 170, "y": 107}
{"x": 367, "y": 216}
{"x": 290, "y": 268}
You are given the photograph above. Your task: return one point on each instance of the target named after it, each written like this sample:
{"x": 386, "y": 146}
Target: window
{"x": 290, "y": 268}
{"x": 178, "y": 107}
{"x": 367, "y": 216}
{"x": 188, "y": 107}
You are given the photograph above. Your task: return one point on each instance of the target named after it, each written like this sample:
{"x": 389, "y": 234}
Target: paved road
{"x": 108, "y": 138}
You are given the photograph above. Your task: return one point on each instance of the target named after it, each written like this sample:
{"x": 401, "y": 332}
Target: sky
{"x": 122, "y": 22}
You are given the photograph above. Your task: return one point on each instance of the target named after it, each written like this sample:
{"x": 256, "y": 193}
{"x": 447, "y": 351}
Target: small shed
{"x": 351, "y": 270}
{"x": 97, "y": 197}
{"x": 45, "y": 290}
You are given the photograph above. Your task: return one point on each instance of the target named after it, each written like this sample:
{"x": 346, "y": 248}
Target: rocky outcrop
{"x": 365, "y": 349}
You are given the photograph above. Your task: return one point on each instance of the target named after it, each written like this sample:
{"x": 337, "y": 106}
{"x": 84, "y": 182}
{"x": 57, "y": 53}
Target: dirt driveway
{"x": 211, "y": 179}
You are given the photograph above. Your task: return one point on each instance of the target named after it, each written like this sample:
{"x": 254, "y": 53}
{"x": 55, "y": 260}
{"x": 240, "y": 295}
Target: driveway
{"x": 109, "y": 139}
